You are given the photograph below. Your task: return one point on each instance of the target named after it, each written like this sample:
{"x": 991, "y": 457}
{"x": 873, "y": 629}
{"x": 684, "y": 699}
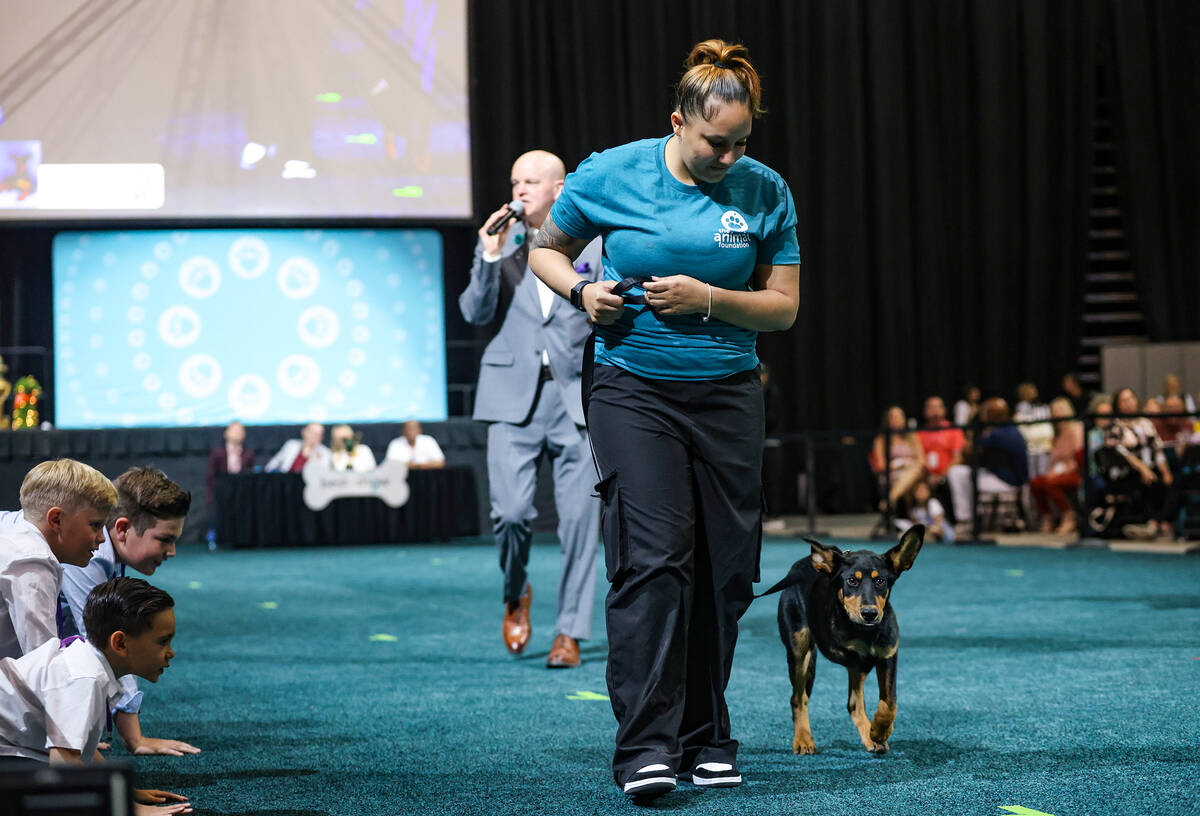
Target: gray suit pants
{"x": 513, "y": 454}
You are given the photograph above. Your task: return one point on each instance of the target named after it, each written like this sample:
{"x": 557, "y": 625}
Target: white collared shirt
{"x": 77, "y": 584}
{"x": 426, "y": 451}
{"x": 55, "y": 698}
{"x": 30, "y": 578}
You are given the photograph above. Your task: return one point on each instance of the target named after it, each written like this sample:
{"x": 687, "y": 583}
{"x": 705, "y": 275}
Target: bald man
{"x": 529, "y": 393}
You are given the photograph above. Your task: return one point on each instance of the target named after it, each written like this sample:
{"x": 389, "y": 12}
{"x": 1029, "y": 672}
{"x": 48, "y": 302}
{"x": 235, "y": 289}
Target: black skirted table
{"x": 268, "y": 510}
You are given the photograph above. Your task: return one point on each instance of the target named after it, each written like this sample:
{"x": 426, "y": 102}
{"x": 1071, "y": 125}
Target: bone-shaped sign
{"x": 388, "y": 483}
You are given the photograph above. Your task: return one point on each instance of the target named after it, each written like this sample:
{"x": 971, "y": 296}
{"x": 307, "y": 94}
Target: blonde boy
{"x": 64, "y": 505}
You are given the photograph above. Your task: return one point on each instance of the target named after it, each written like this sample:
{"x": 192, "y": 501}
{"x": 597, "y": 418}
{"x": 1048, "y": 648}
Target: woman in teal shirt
{"x": 700, "y": 255}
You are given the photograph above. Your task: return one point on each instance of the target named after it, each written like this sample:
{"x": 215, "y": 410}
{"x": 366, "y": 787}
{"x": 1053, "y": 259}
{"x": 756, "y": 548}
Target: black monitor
{"x": 62, "y": 790}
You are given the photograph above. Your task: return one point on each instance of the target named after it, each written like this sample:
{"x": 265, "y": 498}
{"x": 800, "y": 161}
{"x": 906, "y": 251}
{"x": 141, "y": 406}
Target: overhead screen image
{"x": 202, "y": 327}
{"x": 215, "y": 109}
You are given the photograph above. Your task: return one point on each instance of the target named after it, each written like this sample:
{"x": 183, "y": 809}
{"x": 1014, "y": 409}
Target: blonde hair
{"x": 1065, "y": 403}
{"x": 720, "y": 71}
{"x": 68, "y": 484}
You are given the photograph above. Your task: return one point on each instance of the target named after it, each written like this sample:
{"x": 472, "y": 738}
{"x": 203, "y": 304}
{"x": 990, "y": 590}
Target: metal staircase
{"x": 1112, "y": 311}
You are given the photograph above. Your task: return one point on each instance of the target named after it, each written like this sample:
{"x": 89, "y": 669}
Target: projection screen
{"x": 233, "y": 109}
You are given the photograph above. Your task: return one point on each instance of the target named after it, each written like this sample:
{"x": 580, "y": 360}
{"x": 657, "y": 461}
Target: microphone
{"x": 515, "y": 208}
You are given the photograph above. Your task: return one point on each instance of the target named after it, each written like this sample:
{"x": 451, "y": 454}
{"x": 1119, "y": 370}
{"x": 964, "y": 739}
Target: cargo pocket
{"x": 762, "y": 513}
{"x": 612, "y": 528}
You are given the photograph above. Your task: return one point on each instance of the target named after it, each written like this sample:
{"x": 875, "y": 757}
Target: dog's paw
{"x": 878, "y": 748}
{"x": 804, "y": 745}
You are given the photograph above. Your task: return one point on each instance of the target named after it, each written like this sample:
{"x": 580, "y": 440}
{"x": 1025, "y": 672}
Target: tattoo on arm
{"x": 551, "y": 237}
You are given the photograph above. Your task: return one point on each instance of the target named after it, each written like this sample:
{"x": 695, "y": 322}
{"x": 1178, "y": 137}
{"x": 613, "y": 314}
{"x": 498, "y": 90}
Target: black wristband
{"x": 577, "y": 295}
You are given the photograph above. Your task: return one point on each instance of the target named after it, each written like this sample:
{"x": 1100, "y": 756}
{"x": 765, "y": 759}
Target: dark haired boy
{"x": 141, "y": 532}
{"x": 54, "y": 700}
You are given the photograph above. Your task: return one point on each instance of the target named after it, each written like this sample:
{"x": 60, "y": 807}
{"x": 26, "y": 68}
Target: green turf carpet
{"x": 374, "y": 681}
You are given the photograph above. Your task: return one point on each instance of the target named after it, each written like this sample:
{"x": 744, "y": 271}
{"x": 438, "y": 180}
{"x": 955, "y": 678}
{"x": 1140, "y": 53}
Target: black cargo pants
{"x": 681, "y": 487}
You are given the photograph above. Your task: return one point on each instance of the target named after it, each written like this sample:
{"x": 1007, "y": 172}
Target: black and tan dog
{"x": 838, "y": 602}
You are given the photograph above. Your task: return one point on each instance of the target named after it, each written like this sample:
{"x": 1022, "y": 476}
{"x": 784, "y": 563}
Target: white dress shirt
{"x": 77, "y": 584}
{"x": 55, "y": 698}
{"x": 10, "y": 518}
{"x": 426, "y": 451}
{"x": 30, "y": 578}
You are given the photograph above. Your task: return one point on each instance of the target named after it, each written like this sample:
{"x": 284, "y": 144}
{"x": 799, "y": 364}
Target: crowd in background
{"x": 1134, "y": 473}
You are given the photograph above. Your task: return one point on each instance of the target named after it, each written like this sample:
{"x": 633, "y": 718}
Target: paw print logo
{"x": 200, "y": 375}
{"x": 249, "y": 396}
{"x": 298, "y": 375}
{"x": 199, "y": 277}
{"x": 298, "y": 278}
{"x": 734, "y": 222}
{"x": 249, "y": 257}
{"x": 318, "y": 326}
{"x": 179, "y": 326}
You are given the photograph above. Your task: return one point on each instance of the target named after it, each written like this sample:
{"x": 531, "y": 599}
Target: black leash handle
{"x": 628, "y": 283}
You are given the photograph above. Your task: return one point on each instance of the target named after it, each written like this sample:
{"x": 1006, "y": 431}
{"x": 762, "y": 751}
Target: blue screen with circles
{"x": 202, "y": 327}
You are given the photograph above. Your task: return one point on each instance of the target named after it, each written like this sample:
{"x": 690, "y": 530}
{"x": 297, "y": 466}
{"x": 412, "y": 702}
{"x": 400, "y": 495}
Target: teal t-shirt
{"x": 654, "y": 224}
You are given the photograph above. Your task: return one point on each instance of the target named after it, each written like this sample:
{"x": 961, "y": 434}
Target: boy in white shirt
{"x": 64, "y": 505}
{"x": 141, "y": 533}
{"x": 54, "y": 700}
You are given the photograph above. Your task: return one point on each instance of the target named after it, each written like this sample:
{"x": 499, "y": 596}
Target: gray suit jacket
{"x": 506, "y": 291}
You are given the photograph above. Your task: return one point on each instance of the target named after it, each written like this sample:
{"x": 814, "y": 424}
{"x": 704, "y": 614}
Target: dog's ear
{"x": 901, "y": 557}
{"x": 825, "y": 558}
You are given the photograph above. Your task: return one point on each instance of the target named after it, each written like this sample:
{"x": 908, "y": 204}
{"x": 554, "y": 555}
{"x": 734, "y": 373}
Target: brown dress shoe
{"x": 565, "y": 654}
{"x": 516, "y": 623}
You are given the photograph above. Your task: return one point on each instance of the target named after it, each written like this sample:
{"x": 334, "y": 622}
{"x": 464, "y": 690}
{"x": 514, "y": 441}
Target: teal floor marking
{"x": 1017, "y": 810}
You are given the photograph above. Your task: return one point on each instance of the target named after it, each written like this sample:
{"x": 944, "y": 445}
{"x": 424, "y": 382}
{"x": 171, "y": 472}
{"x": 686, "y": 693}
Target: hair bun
{"x": 699, "y": 81}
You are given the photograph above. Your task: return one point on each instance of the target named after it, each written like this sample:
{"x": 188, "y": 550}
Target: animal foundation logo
{"x": 732, "y": 234}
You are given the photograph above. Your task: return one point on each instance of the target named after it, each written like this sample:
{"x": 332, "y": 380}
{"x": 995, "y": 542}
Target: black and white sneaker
{"x": 650, "y": 781}
{"x": 716, "y": 775}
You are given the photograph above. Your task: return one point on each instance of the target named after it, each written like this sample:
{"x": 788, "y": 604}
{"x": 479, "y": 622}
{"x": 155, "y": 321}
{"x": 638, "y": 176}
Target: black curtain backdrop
{"x": 1156, "y": 66}
{"x": 939, "y": 154}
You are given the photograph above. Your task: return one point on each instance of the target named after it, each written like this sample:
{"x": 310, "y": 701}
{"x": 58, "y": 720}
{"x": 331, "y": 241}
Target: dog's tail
{"x": 798, "y": 574}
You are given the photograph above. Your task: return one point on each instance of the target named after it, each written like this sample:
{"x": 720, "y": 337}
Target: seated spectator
{"x": 1172, "y": 388}
{"x": 927, "y": 510}
{"x": 1039, "y": 436}
{"x": 347, "y": 452}
{"x": 232, "y": 457}
{"x": 1003, "y": 460}
{"x": 1135, "y": 439}
{"x": 1062, "y": 477}
{"x": 1073, "y": 390}
{"x": 943, "y": 443}
{"x": 903, "y": 453}
{"x": 296, "y": 453}
{"x": 1101, "y": 408}
{"x": 967, "y": 408}
{"x": 415, "y": 449}
{"x": 1175, "y": 431}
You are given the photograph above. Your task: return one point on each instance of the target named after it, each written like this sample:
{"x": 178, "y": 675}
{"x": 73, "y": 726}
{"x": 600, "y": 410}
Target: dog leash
{"x": 793, "y": 577}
